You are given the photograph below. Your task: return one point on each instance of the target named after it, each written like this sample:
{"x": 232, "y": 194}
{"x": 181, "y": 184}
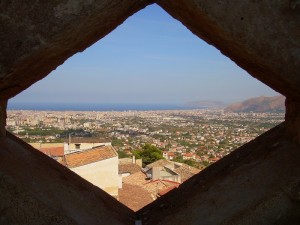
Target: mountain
{"x": 260, "y": 104}
{"x": 205, "y": 104}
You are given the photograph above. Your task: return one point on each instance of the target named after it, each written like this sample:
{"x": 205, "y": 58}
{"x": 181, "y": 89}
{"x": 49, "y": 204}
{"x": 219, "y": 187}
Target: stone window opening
{"x": 261, "y": 59}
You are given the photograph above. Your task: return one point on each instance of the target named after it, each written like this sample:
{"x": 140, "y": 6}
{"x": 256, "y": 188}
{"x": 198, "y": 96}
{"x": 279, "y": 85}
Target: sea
{"x": 95, "y": 107}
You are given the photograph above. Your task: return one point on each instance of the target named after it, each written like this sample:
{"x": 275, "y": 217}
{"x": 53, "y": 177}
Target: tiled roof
{"x": 86, "y": 140}
{"x": 53, "y": 151}
{"x": 165, "y": 191}
{"x": 129, "y": 168}
{"x": 158, "y": 163}
{"x": 85, "y": 157}
{"x": 138, "y": 192}
{"x": 186, "y": 171}
{"x": 134, "y": 197}
{"x": 188, "y": 154}
{"x": 159, "y": 186}
{"x": 169, "y": 153}
{"x": 138, "y": 178}
{"x": 50, "y": 149}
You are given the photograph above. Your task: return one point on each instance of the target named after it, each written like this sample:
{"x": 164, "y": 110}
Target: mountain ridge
{"x": 259, "y": 104}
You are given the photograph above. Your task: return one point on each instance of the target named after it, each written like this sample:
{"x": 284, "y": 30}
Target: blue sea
{"x": 93, "y": 107}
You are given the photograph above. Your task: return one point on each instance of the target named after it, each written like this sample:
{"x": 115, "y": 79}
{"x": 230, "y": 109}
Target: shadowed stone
{"x": 3, "y": 116}
{"x": 253, "y": 185}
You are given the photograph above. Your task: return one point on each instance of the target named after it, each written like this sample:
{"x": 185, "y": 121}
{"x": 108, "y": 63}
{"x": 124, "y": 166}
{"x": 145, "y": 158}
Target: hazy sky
{"x": 150, "y": 58}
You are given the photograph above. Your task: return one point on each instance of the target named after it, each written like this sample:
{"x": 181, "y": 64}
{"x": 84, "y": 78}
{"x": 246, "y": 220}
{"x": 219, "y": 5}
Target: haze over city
{"x": 151, "y": 59}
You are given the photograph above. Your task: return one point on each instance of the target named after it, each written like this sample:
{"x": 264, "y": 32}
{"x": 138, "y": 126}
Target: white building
{"x": 97, "y": 165}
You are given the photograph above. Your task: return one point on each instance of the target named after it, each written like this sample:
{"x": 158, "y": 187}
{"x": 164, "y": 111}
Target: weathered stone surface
{"x": 17, "y": 206}
{"x": 3, "y": 115}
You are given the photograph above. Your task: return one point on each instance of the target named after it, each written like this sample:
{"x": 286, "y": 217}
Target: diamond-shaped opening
{"x": 163, "y": 66}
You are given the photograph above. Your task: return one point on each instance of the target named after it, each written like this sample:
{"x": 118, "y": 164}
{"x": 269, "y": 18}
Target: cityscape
{"x": 138, "y": 156}
{"x": 101, "y": 146}
{"x": 203, "y": 136}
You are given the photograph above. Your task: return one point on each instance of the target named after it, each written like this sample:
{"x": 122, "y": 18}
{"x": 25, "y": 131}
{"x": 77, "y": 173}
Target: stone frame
{"x": 261, "y": 37}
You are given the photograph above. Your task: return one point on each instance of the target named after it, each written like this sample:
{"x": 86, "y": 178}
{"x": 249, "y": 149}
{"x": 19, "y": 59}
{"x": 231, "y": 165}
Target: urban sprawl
{"x": 200, "y": 136}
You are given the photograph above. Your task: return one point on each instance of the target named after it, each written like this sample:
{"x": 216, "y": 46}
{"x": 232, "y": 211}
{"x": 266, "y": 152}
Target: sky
{"x": 149, "y": 59}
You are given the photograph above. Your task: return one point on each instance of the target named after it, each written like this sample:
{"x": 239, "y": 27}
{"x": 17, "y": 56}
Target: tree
{"x": 122, "y": 154}
{"x": 191, "y": 163}
{"x": 116, "y": 142}
{"x": 149, "y": 154}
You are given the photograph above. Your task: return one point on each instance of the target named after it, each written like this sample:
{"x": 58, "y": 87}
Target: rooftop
{"x": 129, "y": 168}
{"x": 85, "y": 157}
{"x": 184, "y": 170}
{"x": 158, "y": 163}
{"x": 86, "y": 140}
{"x": 53, "y": 151}
{"x": 50, "y": 149}
{"x": 134, "y": 196}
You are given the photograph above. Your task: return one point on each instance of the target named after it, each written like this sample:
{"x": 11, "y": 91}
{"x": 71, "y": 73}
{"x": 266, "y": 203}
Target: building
{"x": 75, "y": 144}
{"x": 94, "y": 161}
{"x": 128, "y": 166}
{"x": 53, "y": 150}
{"x": 169, "y": 155}
{"x": 164, "y": 169}
{"x": 97, "y": 165}
{"x": 188, "y": 156}
{"x": 162, "y": 173}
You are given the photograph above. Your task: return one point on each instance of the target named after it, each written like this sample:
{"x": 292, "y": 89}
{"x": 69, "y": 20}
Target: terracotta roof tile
{"x": 138, "y": 178}
{"x": 157, "y": 186}
{"x": 134, "y": 197}
{"x": 86, "y": 140}
{"x": 129, "y": 168}
{"x": 186, "y": 171}
{"x": 53, "y": 151}
{"x": 158, "y": 163}
{"x": 166, "y": 190}
{"x": 85, "y": 157}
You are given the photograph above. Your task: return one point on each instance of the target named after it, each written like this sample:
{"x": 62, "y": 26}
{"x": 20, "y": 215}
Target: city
{"x": 199, "y": 136}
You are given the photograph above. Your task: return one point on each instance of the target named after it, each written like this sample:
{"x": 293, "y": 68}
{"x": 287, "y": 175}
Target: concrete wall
{"x": 103, "y": 174}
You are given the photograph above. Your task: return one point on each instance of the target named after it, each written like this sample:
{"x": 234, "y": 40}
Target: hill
{"x": 260, "y": 104}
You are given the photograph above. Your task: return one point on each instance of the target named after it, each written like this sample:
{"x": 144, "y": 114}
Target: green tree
{"x": 116, "y": 142}
{"x": 122, "y": 154}
{"x": 178, "y": 158}
{"x": 148, "y": 154}
{"x": 191, "y": 163}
